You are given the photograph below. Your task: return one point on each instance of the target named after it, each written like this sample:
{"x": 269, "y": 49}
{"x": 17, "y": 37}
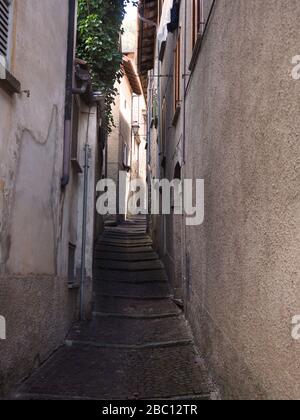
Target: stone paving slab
{"x": 113, "y": 265}
{"x": 84, "y": 372}
{"x": 135, "y": 307}
{"x": 135, "y": 332}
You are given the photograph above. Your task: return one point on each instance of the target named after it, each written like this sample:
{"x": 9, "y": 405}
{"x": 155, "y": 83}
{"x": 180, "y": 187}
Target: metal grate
{"x": 4, "y": 26}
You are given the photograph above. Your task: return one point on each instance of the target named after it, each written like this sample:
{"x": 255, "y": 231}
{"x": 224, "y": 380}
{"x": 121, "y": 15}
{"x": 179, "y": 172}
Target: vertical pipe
{"x": 87, "y": 153}
{"x": 69, "y": 95}
{"x": 184, "y": 251}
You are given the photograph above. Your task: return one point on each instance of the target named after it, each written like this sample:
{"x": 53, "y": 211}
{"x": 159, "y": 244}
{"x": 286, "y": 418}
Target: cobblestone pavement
{"x": 138, "y": 344}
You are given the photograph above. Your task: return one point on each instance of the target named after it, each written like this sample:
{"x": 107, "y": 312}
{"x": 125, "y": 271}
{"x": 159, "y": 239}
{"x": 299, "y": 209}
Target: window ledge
{"x": 10, "y": 84}
{"x": 176, "y": 115}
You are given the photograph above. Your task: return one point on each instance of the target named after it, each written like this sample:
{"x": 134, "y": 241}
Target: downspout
{"x": 69, "y": 92}
{"x": 184, "y": 251}
{"x": 87, "y": 155}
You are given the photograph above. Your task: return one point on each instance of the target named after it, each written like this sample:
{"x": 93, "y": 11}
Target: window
{"x": 177, "y": 74}
{"x": 5, "y": 15}
{"x": 197, "y": 20}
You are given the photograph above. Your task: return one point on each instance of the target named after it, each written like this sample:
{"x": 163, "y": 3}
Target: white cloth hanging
{"x": 164, "y": 22}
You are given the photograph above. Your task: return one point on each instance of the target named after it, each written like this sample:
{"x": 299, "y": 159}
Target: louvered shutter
{"x": 4, "y": 26}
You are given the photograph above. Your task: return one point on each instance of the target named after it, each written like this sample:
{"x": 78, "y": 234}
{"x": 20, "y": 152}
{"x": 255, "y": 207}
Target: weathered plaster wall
{"x": 239, "y": 271}
{"x": 243, "y": 139}
{"x": 34, "y": 231}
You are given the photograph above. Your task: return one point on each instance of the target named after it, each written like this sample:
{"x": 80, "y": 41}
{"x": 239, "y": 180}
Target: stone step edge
{"x": 128, "y": 297}
{"x": 133, "y": 282}
{"x": 128, "y": 270}
{"x": 141, "y": 317}
{"x": 135, "y": 347}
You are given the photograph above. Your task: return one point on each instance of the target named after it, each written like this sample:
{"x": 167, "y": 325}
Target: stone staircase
{"x": 138, "y": 344}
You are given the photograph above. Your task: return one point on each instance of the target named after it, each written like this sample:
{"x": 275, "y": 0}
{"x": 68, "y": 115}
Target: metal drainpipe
{"x": 69, "y": 92}
{"x": 87, "y": 155}
{"x": 184, "y": 253}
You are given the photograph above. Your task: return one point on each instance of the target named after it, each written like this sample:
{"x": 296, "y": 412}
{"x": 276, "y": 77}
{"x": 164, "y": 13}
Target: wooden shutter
{"x": 4, "y": 26}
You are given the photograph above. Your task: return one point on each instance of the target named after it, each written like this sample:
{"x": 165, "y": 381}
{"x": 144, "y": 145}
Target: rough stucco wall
{"x": 243, "y": 139}
{"x": 34, "y": 230}
{"x": 38, "y": 312}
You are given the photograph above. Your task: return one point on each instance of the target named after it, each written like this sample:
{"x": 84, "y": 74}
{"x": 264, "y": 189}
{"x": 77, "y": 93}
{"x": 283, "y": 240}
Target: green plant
{"x": 99, "y": 31}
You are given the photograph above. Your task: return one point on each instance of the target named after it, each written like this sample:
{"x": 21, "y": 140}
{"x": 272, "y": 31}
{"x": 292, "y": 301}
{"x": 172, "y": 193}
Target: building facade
{"x": 42, "y": 161}
{"x": 126, "y": 145}
{"x": 223, "y": 107}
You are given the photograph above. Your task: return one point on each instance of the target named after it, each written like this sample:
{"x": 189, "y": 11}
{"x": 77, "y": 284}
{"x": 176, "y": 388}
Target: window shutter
{"x": 4, "y": 26}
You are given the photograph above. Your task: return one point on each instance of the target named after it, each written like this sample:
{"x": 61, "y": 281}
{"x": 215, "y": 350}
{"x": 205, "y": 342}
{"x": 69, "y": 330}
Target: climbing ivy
{"x": 99, "y": 31}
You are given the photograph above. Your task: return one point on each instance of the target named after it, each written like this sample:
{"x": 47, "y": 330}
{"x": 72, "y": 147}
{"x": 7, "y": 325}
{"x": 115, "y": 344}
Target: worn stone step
{"x": 151, "y": 276}
{"x": 131, "y": 257}
{"x": 134, "y": 307}
{"x": 129, "y": 266}
{"x": 126, "y": 245}
{"x": 134, "y": 290}
{"x": 124, "y": 250}
{"x": 87, "y": 372}
{"x": 126, "y": 235}
{"x": 125, "y": 242}
{"x": 135, "y": 332}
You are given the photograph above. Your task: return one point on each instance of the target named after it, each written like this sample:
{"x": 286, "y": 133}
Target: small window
{"x": 197, "y": 20}
{"x": 5, "y": 17}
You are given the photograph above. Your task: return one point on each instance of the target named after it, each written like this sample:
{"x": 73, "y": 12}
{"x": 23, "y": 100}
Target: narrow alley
{"x": 138, "y": 344}
{"x": 149, "y": 201}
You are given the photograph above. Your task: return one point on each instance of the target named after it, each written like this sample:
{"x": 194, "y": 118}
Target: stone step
{"x": 91, "y": 373}
{"x": 133, "y": 290}
{"x": 131, "y": 257}
{"x": 139, "y": 277}
{"x": 135, "y": 332}
{"x": 124, "y": 250}
{"x": 125, "y": 242}
{"x": 135, "y": 307}
{"x": 124, "y": 266}
{"x": 125, "y": 235}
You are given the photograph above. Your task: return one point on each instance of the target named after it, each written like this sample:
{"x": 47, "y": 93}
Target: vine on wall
{"x": 99, "y": 31}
